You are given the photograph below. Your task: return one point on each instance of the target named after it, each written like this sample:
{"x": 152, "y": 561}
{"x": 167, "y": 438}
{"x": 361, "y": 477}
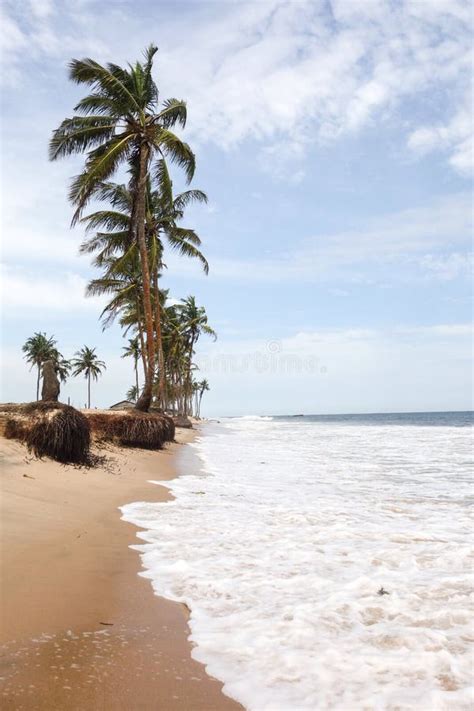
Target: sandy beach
{"x": 80, "y": 629}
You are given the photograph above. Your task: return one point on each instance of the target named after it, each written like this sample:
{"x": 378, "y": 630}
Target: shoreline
{"x": 80, "y": 628}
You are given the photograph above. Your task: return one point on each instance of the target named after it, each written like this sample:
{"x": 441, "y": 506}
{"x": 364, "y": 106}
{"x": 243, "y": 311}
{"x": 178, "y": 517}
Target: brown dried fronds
{"x": 135, "y": 429}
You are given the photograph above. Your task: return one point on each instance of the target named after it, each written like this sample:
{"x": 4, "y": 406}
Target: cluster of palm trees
{"x": 181, "y": 326}
{"x": 121, "y": 124}
{"x": 39, "y": 348}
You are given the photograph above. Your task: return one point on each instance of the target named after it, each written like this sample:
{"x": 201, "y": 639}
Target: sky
{"x": 334, "y": 140}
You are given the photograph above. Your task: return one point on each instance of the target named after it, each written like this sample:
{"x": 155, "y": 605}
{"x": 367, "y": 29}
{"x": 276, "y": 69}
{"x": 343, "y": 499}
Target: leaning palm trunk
{"x": 159, "y": 343}
{"x": 140, "y": 336}
{"x": 144, "y": 401}
{"x": 188, "y": 378}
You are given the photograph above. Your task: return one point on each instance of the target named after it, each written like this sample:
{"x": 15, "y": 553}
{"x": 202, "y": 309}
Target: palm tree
{"x": 86, "y": 362}
{"x": 194, "y": 322}
{"x": 133, "y": 350}
{"x": 133, "y": 393}
{"x": 121, "y": 121}
{"x": 38, "y": 349}
{"x": 203, "y": 386}
{"x": 62, "y": 367}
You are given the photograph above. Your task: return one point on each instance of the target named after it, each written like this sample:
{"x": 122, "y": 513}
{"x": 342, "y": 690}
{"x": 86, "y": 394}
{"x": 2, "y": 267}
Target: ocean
{"x": 326, "y": 560}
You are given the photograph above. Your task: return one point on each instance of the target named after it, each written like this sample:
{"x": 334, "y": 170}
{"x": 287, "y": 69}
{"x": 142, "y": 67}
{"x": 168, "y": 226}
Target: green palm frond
{"x": 79, "y": 134}
{"x": 174, "y": 112}
{"x": 100, "y": 165}
{"x": 189, "y": 196}
{"x": 176, "y": 150}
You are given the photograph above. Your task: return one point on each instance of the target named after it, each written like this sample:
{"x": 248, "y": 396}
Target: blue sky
{"x": 334, "y": 140}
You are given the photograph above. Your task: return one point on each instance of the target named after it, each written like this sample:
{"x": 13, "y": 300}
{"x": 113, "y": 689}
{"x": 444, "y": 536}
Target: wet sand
{"x": 79, "y": 628}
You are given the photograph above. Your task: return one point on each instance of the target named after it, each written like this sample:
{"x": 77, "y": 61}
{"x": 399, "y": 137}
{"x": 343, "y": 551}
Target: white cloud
{"x": 455, "y": 137}
{"x": 447, "y": 267}
{"x": 41, "y": 8}
{"x": 24, "y": 290}
{"x": 281, "y": 72}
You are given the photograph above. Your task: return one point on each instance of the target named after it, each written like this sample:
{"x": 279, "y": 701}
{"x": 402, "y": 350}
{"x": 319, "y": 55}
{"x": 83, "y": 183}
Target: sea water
{"x": 326, "y": 561}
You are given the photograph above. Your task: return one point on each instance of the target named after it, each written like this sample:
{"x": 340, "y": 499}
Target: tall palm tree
{"x": 121, "y": 121}
{"x": 87, "y": 362}
{"x": 133, "y": 350}
{"x": 38, "y": 349}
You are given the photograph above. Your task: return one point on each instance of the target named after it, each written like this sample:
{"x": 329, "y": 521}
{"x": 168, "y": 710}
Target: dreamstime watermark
{"x": 270, "y": 359}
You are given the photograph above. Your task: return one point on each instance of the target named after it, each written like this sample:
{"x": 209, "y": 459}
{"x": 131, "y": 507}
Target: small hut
{"x": 123, "y": 405}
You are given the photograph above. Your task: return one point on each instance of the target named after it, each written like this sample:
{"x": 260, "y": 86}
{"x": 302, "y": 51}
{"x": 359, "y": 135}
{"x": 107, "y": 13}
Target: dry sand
{"x": 80, "y": 629}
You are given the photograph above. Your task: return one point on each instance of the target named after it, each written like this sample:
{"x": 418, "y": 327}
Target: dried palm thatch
{"x": 137, "y": 429}
{"x": 51, "y": 429}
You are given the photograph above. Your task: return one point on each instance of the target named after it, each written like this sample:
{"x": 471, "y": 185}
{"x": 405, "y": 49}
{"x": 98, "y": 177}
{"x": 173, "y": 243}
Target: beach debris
{"x": 107, "y": 624}
{"x": 182, "y": 421}
{"x": 51, "y": 429}
{"x": 50, "y": 391}
{"x": 28, "y": 476}
{"x": 382, "y": 591}
{"x": 132, "y": 428}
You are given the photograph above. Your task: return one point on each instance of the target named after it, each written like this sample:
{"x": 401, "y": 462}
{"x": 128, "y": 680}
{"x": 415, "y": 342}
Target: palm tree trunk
{"x": 38, "y": 383}
{"x": 159, "y": 342}
{"x": 144, "y": 401}
{"x": 140, "y": 335}
{"x": 188, "y": 374}
{"x": 89, "y": 391}
{"x": 136, "y": 375}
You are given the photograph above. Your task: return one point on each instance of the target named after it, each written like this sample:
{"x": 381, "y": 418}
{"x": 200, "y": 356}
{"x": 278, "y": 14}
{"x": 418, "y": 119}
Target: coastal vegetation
{"x": 122, "y": 127}
{"x": 86, "y": 362}
{"x": 130, "y": 141}
{"x": 39, "y": 348}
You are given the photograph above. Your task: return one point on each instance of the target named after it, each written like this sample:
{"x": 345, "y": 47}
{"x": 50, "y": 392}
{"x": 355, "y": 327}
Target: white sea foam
{"x": 279, "y": 548}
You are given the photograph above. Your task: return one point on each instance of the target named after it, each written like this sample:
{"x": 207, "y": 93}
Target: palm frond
{"x": 176, "y": 150}
{"x": 100, "y": 165}
{"x": 174, "y": 112}
{"x": 182, "y": 200}
{"x": 78, "y": 134}
{"x": 112, "y": 80}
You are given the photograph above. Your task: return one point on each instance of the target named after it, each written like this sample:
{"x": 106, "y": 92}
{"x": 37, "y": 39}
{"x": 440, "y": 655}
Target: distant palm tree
{"x": 86, "y": 362}
{"x": 119, "y": 122}
{"x": 62, "y": 367}
{"x": 38, "y": 349}
{"x": 133, "y": 350}
{"x": 133, "y": 393}
{"x": 194, "y": 323}
{"x": 202, "y": 387}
